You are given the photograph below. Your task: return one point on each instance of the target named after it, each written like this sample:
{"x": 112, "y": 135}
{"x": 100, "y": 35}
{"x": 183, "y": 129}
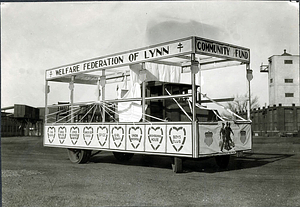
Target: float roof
{"x": 209, "y": 53}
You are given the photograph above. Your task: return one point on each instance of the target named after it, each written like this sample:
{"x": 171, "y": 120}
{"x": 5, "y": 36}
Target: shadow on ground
{"x": 205, "y": 165}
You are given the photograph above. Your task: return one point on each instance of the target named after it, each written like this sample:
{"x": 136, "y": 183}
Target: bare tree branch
{"x": 240, "y": 103}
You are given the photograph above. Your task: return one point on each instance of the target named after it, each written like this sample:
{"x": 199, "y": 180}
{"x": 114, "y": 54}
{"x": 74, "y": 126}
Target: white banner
{"x": 117, "y": 137}
{"x": 135, "y": 137}
{"x": 179, "y": 139}
{"x": 222, "y": 50}
{"x": 73, "y": 135}
{"x": 157, "y": 138}
{"x": 212, "y": 141}
{"x": 122, "y": 59}
{"x": 160, "y": 138}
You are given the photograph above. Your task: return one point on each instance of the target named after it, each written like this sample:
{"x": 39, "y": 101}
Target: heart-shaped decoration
{"x": 243, "y": 136}
{"x": 88, "y": 135}
{"x": 117, "y": 135}
{"x": 62, "y": 133}
{"x": 51, "y": 134}
{"x": 177, "y": 137}
{"x": 155, "y": 136}
{"x": 208, "y": 140}
{"x": 74, "y": 134}
{"x": 102, "y": 135}
{"x": 135, "y": 136}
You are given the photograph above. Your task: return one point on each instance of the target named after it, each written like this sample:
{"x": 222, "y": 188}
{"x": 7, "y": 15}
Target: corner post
{"x": 46, "y": 101}
{"x": 249, "y": 78}
{"x": 143, "y": 79}
{"x": 102, "y": 83}
{"x": 195, "y": 138}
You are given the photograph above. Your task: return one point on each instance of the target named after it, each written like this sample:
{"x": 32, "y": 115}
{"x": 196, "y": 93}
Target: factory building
{"x": 21, "y": 120}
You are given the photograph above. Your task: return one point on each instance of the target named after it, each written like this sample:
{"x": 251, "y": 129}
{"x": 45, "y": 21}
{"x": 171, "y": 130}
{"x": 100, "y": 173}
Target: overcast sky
{"x": 40, "y": 36}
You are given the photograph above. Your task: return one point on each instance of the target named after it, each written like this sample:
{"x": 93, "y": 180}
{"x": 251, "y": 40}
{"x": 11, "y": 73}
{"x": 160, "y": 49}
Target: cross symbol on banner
{"x": 180, "y": 46}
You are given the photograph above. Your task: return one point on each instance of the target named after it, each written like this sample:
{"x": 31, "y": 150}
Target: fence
{"x": 275, "y": 120}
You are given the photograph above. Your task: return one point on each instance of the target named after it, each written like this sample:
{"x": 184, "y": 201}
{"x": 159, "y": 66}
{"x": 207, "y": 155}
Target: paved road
{"x": 33, "y": 175}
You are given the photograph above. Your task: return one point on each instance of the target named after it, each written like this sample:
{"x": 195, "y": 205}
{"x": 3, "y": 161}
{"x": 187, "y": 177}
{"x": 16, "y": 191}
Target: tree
{"x": 240, "y": 103}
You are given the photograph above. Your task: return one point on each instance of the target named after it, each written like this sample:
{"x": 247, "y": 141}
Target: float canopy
{"x": 210, "y": 54}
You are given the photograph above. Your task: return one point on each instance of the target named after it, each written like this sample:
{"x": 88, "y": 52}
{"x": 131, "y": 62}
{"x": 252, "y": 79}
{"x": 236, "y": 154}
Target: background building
{"x": 283, "y": 75}
{"x": 23, "y": 120}
{"x": 282, "y": 116}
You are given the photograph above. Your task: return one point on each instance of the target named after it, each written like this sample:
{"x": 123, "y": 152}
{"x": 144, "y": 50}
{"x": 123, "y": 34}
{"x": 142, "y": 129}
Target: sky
{"x": 38, "y": 36}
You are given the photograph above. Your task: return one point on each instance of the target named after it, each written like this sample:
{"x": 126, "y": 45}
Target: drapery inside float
{"x": 132, "y": 111}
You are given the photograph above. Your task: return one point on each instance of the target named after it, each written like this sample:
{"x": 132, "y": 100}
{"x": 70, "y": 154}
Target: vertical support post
{"x": 46, "y": 101}
{"x": 143, "y": 78}
{"x": 249, "y": 78}
{"x": 98, "y": 90}
{"x": 71, "y": 87}
{"x": 199, "y": 88}
{"x": 47, "y": 90}
{"x": 249, "y": 103}
{"x": 198, "y": 82}
{"x": 194, "y": 91}
{"x": 102, "y": 83}
{"x": 195, "y": 139}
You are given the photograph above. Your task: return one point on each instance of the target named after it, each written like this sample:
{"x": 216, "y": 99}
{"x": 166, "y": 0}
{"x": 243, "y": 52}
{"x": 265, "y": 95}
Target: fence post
{"x": 295, "y": 123}
{"x": 280, "y": 118}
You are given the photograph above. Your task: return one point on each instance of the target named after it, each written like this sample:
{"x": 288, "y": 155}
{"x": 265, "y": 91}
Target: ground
{"x": 33, "y": 175}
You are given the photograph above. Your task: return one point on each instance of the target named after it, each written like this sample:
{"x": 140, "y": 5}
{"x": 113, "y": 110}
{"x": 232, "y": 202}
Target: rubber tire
{"x": 79, "y": 156}
{"x": 222, "y": 161}
{"x": 120, "y": 156}
{"x": 177, "y": 165}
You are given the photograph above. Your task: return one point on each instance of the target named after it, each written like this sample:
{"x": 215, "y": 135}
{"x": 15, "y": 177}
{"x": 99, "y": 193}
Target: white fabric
{"x": 131, "y": 111}
{"x": 156, "y": 72}
{"x": 121, "y": 92}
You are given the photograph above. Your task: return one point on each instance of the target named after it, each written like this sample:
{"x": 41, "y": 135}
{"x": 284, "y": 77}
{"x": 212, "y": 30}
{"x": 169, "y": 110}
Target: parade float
{"x": 154, "y": 113}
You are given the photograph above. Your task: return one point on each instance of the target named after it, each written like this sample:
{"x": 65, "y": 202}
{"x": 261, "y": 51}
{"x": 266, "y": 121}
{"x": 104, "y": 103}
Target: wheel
{"x": 222, "y": 161}
{"x": 123, "y": 156}
{"x": 177, "y": 165}
{"x": 79, "y": 156}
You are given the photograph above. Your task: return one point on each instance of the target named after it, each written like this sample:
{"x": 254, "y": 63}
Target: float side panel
{"x": 161, "y": 139}
{"x": 211, "y": 141}
{"x": 179, "y": 139}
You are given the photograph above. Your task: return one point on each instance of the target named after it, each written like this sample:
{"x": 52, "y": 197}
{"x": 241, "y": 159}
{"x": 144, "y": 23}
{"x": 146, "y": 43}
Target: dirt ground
{"x": 33, "y": 175}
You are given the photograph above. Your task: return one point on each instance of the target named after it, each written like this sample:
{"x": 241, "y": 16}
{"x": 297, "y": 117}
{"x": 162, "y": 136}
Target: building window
{"x": 288, "y": 80}
{"x": 288, "y": 61}
{"x": 289, "y": 94}
{"x": 271, "y": 80}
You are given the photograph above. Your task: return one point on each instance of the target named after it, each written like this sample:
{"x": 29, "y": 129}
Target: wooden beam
{"x": 218, "y": 100}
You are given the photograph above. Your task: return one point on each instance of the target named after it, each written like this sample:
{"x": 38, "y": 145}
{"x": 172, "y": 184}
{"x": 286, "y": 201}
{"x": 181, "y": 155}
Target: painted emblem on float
{"x": 155, "y": 136}
{"x": 117, "y": 135}
{"x": 102, "y": 135}
{"x": 62, "y": 133}
{"x": 208, "y": 140}
{"x": 177, "y": 137}
{"x": 88, "y": 135}
{"x": 243, "y": 136}
{"x": 74, "y": 134}
{"x": 135, "y": 136}
{"x": 51, "y": 134}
